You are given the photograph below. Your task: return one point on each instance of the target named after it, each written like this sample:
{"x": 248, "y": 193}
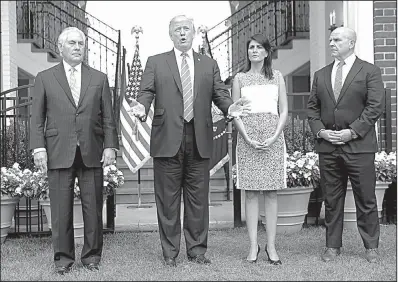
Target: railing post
{"x": 293, "y": 3}
{"x": 276, "y": 23}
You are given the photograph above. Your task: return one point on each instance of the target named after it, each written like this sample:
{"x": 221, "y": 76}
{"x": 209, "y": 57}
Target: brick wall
{"x": 385, "y": 51}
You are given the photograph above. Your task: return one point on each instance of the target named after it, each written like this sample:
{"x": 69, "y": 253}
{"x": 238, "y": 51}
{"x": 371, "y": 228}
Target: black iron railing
{"x": 41, "y": 22}
{"x": 278, "y": 20}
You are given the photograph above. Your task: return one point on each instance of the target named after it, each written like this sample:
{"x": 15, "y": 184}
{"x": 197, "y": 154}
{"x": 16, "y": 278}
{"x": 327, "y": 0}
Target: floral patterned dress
{"x": 261, "y": 170}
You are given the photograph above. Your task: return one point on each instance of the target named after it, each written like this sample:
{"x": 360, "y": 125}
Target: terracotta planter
{"x": 350, "y": 217}
{"x": 7, "y": 213}
{"x": 78, "y": 224}
{"x": 292, "y": 209}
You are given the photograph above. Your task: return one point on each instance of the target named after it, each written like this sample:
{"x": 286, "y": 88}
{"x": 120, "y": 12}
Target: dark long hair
{"x": 267, "y": 66}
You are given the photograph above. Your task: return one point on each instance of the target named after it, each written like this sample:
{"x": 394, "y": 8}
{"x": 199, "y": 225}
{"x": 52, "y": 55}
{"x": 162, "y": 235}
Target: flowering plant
{"x": 113, "y": 179}
{"x": 34, "y": 185}
{"x": 386, "y": 166}
{"x": 12, "y": 181}
{"x": 302, "y": 170}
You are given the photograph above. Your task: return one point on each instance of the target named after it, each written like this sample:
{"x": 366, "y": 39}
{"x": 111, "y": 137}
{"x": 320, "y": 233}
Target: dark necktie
{"x": 186, "y": 88}
{"x": 338, "y": 81}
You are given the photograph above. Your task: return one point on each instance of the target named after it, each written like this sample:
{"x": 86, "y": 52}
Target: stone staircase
{"x": 128, "y": 193}
{"x": 34, "y": 59}
{"x": 292, "y": 55}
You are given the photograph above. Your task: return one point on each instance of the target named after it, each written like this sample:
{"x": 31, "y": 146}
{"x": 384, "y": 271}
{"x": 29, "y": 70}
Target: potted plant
{"x": 12, "y": 182}
{"x": 386, "y": 173}
{"x": 302, "y": 176}
{"x": 299, "y": 137}
{"x": 113, "y": 179}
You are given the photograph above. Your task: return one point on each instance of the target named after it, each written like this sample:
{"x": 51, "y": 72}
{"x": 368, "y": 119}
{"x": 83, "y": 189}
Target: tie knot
{"x": 341, "y": 63}
{"x": 72, "y": 70}
{"x": 184, "y": 55}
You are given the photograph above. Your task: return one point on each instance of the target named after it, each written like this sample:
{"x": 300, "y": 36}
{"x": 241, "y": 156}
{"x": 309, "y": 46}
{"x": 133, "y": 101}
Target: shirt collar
{"x": 67, "y": 67}
{"x": 349, "y": 61}
{"x": 178, "y": 53}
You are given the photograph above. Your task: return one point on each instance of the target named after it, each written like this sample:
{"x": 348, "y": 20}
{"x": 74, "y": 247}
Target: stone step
{"x": 128, "y": 193}
{"x": 125, "y": 195}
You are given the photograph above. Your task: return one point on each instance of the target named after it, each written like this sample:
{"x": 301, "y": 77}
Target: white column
{"x": 9, "y": 45}
{"x": 358, "y": 15}
{"x": 318, "y": 33}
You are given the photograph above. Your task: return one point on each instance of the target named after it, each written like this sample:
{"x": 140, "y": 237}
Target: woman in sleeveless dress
{"x": 261, "y": 150}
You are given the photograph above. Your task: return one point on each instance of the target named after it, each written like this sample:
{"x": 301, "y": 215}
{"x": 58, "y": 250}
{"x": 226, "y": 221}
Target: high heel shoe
{"x": 255, "y": 260}
{"x": 273, "y": 262}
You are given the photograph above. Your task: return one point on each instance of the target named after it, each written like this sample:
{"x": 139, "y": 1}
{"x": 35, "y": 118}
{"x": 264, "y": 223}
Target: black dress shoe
{"x": 273, "y": 262}
{"x": 170, "y": 262}
{"x": 92, "y": 266}
{"x": 330, "y": 254}
{"x": 201, "y": 259}
{"x": 372, "y": 255}
{"x": 254, "y": 260}
{"x": 62, "y": 269}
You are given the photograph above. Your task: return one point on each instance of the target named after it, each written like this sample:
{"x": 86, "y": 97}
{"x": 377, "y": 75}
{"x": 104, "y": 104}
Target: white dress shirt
{"x": 349, "y": 61}
{"x": 190, "y": 62}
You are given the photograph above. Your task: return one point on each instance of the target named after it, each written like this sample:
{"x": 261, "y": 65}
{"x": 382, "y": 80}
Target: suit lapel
{"x": 197, "y": 63}
{"x": 86, "y": 77}
{"x": 328, "y": 81}
{"x": 172, "y": 62}
{"x": 356, "y": 67}
{"x": 60, "y": 75}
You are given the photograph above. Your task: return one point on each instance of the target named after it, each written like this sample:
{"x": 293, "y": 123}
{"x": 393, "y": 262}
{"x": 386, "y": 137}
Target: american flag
{"x": 135, "y": 134}
{"x": 220, "y": 154}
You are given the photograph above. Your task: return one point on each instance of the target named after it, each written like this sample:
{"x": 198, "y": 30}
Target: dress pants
{"x": 335, "y": 168}
{"x": 61, "y": 186}
{"x": 188, "y": 173}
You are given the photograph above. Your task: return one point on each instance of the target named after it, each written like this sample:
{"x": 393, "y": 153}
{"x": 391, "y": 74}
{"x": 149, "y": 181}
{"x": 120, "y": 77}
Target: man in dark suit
{"x": 72, "y": 131}
{"x": 346, "y": 100}
{"x": 183, "y": 84}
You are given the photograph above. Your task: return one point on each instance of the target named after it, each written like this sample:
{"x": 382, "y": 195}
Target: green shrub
{"x": 297, "y": 138}
{"x": 15, "y": 145}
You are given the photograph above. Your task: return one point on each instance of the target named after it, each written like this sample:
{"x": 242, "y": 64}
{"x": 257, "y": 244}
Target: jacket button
{"x": 77, "y": 114}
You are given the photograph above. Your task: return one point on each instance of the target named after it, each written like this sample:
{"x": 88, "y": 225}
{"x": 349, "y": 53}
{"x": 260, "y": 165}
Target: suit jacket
{"x": 161, "y": 80}
{"x": 57, "y": 123}
{"x": 360, "y": 104}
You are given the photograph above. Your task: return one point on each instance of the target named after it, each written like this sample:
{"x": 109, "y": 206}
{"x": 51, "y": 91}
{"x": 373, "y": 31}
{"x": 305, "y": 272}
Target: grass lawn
{"x": 137, "y": 256}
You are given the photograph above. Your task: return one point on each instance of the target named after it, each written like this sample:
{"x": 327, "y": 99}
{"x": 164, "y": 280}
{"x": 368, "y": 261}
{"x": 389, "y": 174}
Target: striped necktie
{"x": 338, "y": 80}
{"x": 74, "y": 88}
{"x": 186, "y": 88}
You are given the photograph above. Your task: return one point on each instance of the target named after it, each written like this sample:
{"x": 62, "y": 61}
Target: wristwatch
{"x": 229, "y": 118}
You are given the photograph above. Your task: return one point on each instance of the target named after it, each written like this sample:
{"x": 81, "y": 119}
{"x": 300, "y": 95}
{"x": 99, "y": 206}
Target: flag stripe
{"x": 129, "y": 138}
{"x": 135, "y": 134}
